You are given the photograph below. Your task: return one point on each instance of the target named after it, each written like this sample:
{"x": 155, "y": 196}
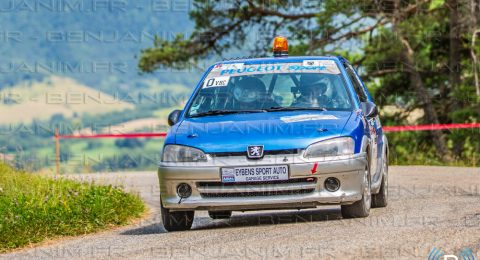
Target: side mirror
{"x": 369, "y": 109}
{"x": 173, "y": 117}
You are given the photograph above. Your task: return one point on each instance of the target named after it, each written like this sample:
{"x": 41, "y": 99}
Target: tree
{"x": 380, "y": 32}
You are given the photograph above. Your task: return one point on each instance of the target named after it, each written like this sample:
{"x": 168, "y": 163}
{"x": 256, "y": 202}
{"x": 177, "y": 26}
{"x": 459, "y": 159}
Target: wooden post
{"x": 57, "y": 151}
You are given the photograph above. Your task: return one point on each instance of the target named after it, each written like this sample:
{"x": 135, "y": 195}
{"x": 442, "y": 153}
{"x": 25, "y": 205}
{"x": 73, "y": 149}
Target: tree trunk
{"x": 423, "y": 98}
{"x": 455, "y": 45}
{"x": 474, "y": 13}
{"x": 454, "y": 66}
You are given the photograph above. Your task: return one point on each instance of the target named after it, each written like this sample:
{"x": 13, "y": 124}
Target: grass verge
{"x": 35, "y": 208}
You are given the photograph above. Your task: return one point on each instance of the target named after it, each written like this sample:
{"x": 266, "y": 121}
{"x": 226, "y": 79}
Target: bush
{"x": 414, "y": 148}
{"x": 128, "y": 143}
{"x": 34, "y": 208}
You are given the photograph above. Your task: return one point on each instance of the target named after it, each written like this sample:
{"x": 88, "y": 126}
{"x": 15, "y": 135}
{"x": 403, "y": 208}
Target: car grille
{"x": 255, "y": 194}
{"x": 297, "y": 180}
{"x": 295, "y": 186}
{"x": 266, "y": 152}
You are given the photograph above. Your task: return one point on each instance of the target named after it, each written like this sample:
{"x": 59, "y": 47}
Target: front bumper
{"x": 288, "y": 195}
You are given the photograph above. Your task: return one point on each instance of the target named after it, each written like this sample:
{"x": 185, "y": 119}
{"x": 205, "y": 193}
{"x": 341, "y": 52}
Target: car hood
{"x": 274, "y": 130}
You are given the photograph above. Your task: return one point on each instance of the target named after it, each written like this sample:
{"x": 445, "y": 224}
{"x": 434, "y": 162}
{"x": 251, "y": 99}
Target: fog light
{"x": 332, "y": 184}
{"x": 184, "y": 190}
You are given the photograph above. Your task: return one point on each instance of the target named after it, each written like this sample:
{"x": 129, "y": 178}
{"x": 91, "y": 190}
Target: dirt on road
{"x": 430, "y": 208}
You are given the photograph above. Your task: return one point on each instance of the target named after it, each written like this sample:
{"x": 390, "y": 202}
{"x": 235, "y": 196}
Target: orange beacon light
{"x": 280, "y": 46}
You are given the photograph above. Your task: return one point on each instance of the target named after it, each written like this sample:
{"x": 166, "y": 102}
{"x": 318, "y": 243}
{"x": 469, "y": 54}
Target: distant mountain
{"x": 94, "y": 42}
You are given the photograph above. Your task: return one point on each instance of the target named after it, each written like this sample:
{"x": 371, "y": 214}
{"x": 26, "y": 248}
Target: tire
{"x": 220, "y": 214}
{"x": 361, "y": 208}
{"x": 380, "y": 200}
{"x": 176, "y": 220}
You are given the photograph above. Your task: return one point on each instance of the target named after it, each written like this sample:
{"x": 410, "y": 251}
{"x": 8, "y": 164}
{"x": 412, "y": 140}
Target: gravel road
{"x": 430, "y": 207}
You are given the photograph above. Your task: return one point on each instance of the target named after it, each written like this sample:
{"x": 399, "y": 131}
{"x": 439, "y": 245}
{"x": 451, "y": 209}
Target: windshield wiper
{"x": 226, "y": 112}
{"x": 295, "y": 108}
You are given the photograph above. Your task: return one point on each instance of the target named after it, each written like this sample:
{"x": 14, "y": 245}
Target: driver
{"x": 311, "y": 88}
{"x": 250, "y": 93}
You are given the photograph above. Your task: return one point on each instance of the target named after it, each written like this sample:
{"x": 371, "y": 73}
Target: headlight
{"x": 331, "y": 147}
{"x": 180, "y": 153}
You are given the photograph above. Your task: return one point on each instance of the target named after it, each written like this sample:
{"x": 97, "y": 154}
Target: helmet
{"x": 249, "y": 90}
{"x": 310, "y": 82}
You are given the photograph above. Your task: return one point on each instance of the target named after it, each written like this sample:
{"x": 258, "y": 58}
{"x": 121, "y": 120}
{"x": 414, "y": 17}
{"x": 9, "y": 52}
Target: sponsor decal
{"x": 301, "y": 118}
{"x": 228, "y": 66}
{"x": 228, "y": 175}
{"x": 311, "y": 63}
{"x": 324, "y": 63}
{"x": 228, "y": 178}
{"x": 255, "y": 173}
{"x": 318, "y": 66}
{"x": 216, "y": 82}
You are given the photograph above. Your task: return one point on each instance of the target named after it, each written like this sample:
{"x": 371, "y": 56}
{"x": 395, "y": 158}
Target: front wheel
{"x": 176, "y": 220}
{"x": 380, "y": 200}
{"x": 361, "y": 208}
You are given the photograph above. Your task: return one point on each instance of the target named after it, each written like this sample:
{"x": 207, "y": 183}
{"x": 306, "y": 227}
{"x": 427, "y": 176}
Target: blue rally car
{"x": 274, "y": 133}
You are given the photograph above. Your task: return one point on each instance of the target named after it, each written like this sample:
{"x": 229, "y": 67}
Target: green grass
{"x": 35, "y": 208}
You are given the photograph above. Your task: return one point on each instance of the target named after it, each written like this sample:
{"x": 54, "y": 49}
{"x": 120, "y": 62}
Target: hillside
{"x": 54, "y": 96}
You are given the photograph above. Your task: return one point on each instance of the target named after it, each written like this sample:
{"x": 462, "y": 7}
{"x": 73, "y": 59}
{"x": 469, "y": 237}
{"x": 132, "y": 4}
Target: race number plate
{"x": 255, "y": 173}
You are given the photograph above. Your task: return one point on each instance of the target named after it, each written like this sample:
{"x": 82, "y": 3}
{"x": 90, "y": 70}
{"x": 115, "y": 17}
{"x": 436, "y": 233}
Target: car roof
{"x": 283, "y": 59}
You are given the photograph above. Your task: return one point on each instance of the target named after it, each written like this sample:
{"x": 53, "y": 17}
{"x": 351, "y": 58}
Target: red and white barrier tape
{"x": 429, "y": 127}
{"x": 132, "y": 135}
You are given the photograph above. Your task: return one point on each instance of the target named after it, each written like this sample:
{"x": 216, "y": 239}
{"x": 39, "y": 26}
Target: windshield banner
{"x": 307, "y": 66}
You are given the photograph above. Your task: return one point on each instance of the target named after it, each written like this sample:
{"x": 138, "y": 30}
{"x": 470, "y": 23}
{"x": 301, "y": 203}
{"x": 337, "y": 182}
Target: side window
{"x": 362, "y": 96}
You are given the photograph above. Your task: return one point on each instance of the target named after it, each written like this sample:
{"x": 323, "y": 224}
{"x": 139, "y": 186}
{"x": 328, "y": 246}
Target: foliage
{"x": 419, "y": 151}
{"x": 129, "y": 143}
{"x": 34, "y": 208}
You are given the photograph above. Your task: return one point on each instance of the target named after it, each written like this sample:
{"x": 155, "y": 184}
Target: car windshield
{"x": 240, "y": 88}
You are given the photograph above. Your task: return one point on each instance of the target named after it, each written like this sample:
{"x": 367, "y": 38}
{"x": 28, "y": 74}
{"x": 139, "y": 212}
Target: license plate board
{"x": 255, "y": 173}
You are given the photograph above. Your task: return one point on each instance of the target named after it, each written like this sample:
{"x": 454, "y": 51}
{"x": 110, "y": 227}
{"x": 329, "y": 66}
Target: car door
{"x": 373, "y": 124}
{"x": 378, "y": 130}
